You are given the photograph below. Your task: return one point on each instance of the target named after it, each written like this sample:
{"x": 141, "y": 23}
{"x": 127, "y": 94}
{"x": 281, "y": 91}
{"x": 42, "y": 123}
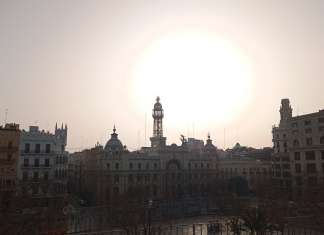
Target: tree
{"x": 238, "y": 185}
{"x": 33, "y": 208}
{"x": 258, "y": 222}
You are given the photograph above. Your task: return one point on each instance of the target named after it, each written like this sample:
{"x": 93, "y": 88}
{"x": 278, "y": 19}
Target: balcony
{"x": 8, "y": 148}
{"x": 36, "y": 152}
{"x": 7, "y": 160}
{"x": 36, "y": 165}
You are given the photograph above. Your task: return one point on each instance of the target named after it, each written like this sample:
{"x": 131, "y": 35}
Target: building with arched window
{"x": 298, "y": 149}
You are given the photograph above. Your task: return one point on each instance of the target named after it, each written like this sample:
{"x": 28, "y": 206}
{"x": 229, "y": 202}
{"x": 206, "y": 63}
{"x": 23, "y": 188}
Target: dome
{"x": 114, "y": 143}
{"x": 157, "y": 105}
{"x": 209, "y": 146}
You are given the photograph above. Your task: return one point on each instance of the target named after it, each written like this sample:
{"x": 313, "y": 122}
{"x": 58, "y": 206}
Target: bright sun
{"x": 198, "y": 76}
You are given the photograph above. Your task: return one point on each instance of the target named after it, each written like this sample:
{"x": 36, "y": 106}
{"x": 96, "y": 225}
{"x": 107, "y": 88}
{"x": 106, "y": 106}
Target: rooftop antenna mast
{"x": 36, "y": 122}
{"x": 47, "y": 126}
{"x": 193, "y": 130}
{"x": 82, "y": 143}
{"x": 224, "y": 139}
{"x": 188, "y": 127}
{"x": 6, "y": 116}
{"x": 138, "y": 139}
{"x": 237, "y": 134}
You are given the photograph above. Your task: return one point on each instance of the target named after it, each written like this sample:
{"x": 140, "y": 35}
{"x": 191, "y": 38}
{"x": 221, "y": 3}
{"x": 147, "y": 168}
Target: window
{"x": 207, "y": 165}
{"x": 311, "y": 167}
{"x": 278, "y": 145}
{"x": 116, "y": 166}
{"x": 322, "y": 140}
{"x": 308, "y": 122}
{"x": 108, "y": 166}
{"x": 116, "y": 178}
{"x": 139, "y": 177}
{"x": 131, "y": 177}
{"x": 27, "y": 147}
{"x": 278, "y": 174}
{"x": 46, "y": 175}
{"x": 310, "y": 155}
{"x": 155, "y": 176}
{"x": 189, "y": 166}
{"x": 285, "y": 159}
{"x": 155, "y": 166}
{"x": 322, "y": 154}
{"x": 323, "y": 167}
{"x": 285, "y": 145}
{"x": 147, "y": 166}
{"x": 277, "y": 136}
{"x": 9, "y": 156}
{"x": 295, "y": 132}
{"x": 277, "y": 166}
{"x": 196, "y": 166}
{"x": 36, "y": 162}
{"x": 48, "y": 148}
{"x": 62, "y": 148}
{"x": 309, "y": 141}
{"x": 37, "y": 148}
{"x": 201, "y": 165}
{"x": 321, "y": 128}
{"x": 296, "y": 143}
{"x": 147, "y": 177}
{"x": 298, "y": 168}
{"x": 35, "y": 189}
{"x": 312, "y": 181}
{"x": 320, "y": 120}
{"x": 277, "y": 159}
{"x": 10, "y": 143}
{"x": 139, "y": 166}
{"x": 26, "y": 162}
{"x": 295, "y": 124}
{"x": 25, "y": 176}
{"x": 308, "y": 130}
{"x": 285, "y": 166}
{"x": 47, "y": 161}
{"x": 284, "y": 135}
{"x": 286, "y": 174}
{"x": 299, "y": 181}
{"x": 35, "y": 176}
{"x": 297, "y": 156}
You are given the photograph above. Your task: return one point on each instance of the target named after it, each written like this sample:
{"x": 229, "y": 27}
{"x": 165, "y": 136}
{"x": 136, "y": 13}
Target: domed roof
{"x": 114, "y": 143}
{"x": 209, "y": 146}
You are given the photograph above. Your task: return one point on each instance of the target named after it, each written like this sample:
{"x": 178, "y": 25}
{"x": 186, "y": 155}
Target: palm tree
{"x": 258, "y": 222}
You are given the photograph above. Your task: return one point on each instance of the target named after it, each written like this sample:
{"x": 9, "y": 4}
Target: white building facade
{"x": 42, "y": 155}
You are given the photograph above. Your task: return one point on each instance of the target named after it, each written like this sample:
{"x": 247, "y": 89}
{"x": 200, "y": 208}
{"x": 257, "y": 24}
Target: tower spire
{"x": 114, "y": 129}
{"x": 158, "y": 117}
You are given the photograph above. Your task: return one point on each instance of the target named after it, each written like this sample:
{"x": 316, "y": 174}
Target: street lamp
{"x": 149, "y": 215}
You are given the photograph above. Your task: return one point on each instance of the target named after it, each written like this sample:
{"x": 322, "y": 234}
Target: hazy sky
{"x": 217, "y": 64}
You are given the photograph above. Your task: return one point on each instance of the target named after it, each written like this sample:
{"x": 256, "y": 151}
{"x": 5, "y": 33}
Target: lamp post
{"x": 149, "y": 216}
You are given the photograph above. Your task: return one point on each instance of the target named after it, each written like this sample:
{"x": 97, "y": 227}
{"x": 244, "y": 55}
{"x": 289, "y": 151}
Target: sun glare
{"x": 199, "y": 77}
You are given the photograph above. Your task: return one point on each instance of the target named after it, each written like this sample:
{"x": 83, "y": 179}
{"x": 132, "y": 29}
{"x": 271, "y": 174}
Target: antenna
{"x": 145, "y": 130}
{"x": 188, "y": 127}
{"x": 237, "y": 134}
{"x": 297, "y": 112}
{"x": 224, "y": 139}
{"x": 101, "y": 138}
{"x": 47, "y": 127}
{"x": 36, "y": 122}
{"x": 6, "y": 116}
{"x": 138, "y": 139}
{"x": 91, "y": 143}
{"x": 193, "y": 130}
{"x": 86, "y": 144}
{"x": 82, "y": 143}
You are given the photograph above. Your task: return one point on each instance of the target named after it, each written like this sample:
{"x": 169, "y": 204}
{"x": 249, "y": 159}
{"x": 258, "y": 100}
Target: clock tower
{"x": 157, "y": 113}
{"x": 285, "y": 110}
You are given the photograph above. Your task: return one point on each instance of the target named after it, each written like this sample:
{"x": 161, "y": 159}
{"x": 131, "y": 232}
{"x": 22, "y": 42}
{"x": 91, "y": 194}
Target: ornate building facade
{"x": 298, "y": 150}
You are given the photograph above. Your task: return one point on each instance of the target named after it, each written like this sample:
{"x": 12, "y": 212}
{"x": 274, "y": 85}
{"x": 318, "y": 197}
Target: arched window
{"x": 296, "y": 143}
{"x": 322, "y": 140}
{"x": 56, "y": 174}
